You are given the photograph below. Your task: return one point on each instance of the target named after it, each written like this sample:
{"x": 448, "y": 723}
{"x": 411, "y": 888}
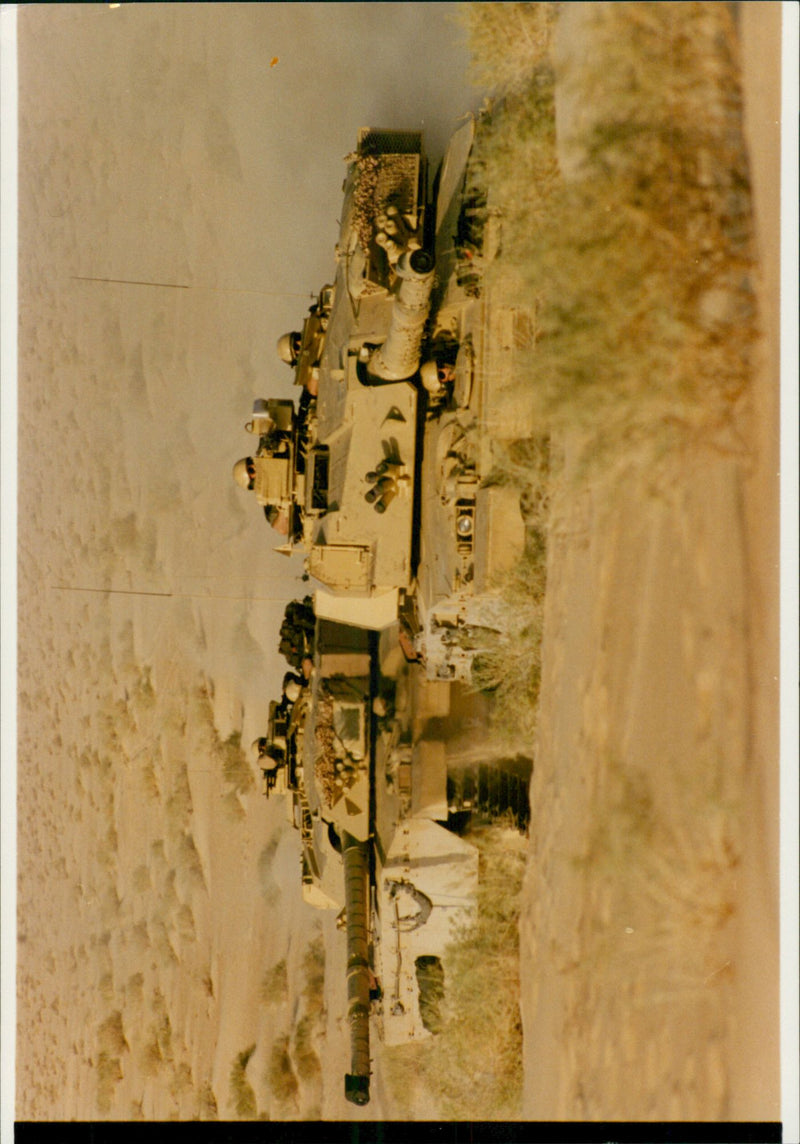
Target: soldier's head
{"x": 244, "y": 473}
{"x": 435, "y": 375}
{"x": 289, "y": 347}
{"x": 291, "y": 687}
{"x": 260, "y": 745}
{"x": 277, "y": 518}
{"x": 269, "y": 752}
{"x": 275, "y": 753}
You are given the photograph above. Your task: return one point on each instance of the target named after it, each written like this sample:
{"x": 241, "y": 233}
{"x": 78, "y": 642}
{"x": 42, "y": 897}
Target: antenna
{"x": 164, "y": 595}
{"x": 186, "y": 286}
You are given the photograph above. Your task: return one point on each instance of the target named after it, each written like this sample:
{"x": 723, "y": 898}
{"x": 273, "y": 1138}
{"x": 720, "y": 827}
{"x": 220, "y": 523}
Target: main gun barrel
{"x": 398, "y": 357}
{"x": 356, "y": 882}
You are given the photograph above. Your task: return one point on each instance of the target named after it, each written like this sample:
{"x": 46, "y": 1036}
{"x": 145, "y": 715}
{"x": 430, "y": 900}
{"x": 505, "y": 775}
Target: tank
{"x": 383, "y": 770}
{"x": 406, "y": 535}
{"x": 405, "y": 368}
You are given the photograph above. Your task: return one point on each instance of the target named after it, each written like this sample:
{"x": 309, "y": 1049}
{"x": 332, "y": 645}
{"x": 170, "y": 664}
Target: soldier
{"x": 280, "y": 513}
{"x": 269, "y": 752}
{"x": 302, "y": 351}
{"x": 292, "y": 686}
{"x": 289, "y": 347}
{"x": 269, "y": 471}
{"x": 271, "y": 760}
{"x": 439, "y": 371}
{"x": 297, "y": 635}
{"x": 435, "y": 376}
{"x": 272, "y": 422}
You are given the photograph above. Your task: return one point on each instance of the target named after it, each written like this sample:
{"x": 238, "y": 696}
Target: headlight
{"x": 464, "y": 524}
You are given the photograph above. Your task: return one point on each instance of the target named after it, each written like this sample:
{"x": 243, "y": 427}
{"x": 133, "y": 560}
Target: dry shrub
{"x": 236, "y": 769}
{"x": 269, "y": 886}
{"x": 281, "y": 1078}
{"x": 206, "y": 1105}
{"x": 181, "y": 1081}
{"x": 672, "y": 868}
{"x": 109, "y": 1073}
{"x": 504, "y": 50}
{"x": 162, "y": 944}
{"x": 311, "y": 1023}
{"x": 638, "y": 263}
{"x": 108, "y": 730}
{"x": 232, "y": 807}
{"x": 134, "y": 990}
{"x": 305, "y": 1055}
{"x": 179, "y": 803}
{"x": 168, "y": 896}
{"x": 314, "y": 972}
{"x": 124, "y": 532}
{"x": 275, "y": 984}
{"x": 140, "y": 879}
{"x": 201, "y": 711}
{"x": 149, "y": 780}
{"x": 243, "y": 1097}
{"x": 507, "y": 663}
{"x": 472, "y": 1068}
{"x": 111, "y": 1035}
{"x": 140, "y": 938}
{"x": 187, "y": 861}
{"x": 151, "y": 1057}
{"x": 161, "y": 1028}
{"x": 185, "y": 922}
{"x": 235, "y": 766}
{"x": 106, "y": 852}
{"x": 143, "y": 694}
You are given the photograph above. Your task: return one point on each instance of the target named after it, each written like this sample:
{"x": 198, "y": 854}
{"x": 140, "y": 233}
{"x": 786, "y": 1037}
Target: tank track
{"x": 489, "y": 792}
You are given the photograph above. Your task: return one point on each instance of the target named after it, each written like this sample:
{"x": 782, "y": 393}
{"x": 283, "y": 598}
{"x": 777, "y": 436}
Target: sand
{"x": 179, "y": 197}
{"x": 650, "y": 929}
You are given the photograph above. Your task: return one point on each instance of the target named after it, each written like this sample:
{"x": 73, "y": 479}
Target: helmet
{"x": 243, "y": 473}
{"x": 291, "y": 687}
{"x": 429, "y": 373}
{"x": 276, "y": 756}
{"x": 289, "y": 347}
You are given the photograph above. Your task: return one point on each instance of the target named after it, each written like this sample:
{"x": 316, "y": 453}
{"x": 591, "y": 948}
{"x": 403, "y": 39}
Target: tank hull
{"x": 403, "y": 533}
